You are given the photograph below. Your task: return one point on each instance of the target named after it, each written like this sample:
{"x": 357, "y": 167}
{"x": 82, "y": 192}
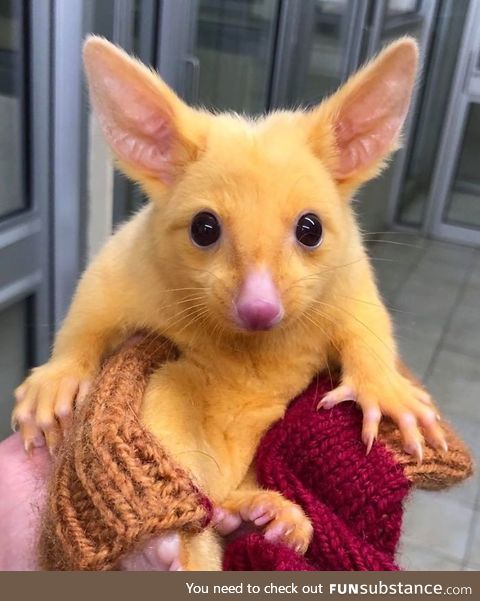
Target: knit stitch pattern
{"x": 114, "y": 486}
{"x": 355, "y": 502}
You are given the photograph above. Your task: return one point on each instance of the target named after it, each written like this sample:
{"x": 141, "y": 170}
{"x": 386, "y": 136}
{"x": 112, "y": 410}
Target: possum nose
{"x": 258, "y": 305}
{"x": 259, "y": 314}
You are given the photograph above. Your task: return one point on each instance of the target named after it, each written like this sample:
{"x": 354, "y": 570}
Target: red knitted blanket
{"x": 317, "y": 460}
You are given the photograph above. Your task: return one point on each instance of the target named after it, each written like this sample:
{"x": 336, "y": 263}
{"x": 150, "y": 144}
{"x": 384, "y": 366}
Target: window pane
{"x": 13, "y": 358}
{"x": 128, "y": 196}
{"x": 464, "y": 205}
{"x": 400, "y": 19}
{"x": 235, "y": 42}
{"x": 429, "y": 126}
{"x": 399, "y": 7}
{"x": 12, "y": 75}
{"x": 323, "y": 50}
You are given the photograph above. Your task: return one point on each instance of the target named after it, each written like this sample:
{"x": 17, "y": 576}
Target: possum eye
{"x": 309, "y": 230}
{"x": 205, "y": 229}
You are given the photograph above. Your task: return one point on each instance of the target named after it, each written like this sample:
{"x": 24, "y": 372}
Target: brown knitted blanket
{"x": 113, "y": 486}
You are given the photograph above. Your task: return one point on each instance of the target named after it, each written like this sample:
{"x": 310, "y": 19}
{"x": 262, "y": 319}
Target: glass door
{"x": 254, "y": 55}
{"x": 455, "y": 202}
{"x": 220, "y": 53}
{"x": 242, "y": 55}
{"x": 214, "y": 53}
{"x": 390, "y": 20}
{"x": 322, "y": 42}
{"x": 319, "y": 46}
{"x": 25, "y": 322}
{"x": 410, "y": 200}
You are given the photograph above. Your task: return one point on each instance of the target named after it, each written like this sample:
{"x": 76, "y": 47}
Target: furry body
{"x": 212, "y": 405}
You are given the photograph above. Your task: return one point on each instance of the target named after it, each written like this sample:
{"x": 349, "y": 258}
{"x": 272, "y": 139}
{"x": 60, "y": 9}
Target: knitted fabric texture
{"x": 113, "y": 485}
{"x": 355, "y": 502}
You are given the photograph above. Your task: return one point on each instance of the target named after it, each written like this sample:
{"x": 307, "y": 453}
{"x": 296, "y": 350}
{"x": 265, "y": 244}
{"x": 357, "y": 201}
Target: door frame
{"x": 400, "y": 164}
{"x": 69, "y": 150}
{"x": 175, "y": 61}
{"x": 179, "y": 67}
{"x": 25, "y": 235}
{"x": 123, "y": 35}
{"x": 465, "y": 91}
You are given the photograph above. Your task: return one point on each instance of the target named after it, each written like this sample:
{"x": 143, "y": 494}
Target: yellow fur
{"x": 211, "y": 407}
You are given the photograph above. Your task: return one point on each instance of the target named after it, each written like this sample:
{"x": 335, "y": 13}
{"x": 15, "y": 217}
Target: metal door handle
{"x": 193, "y": 64}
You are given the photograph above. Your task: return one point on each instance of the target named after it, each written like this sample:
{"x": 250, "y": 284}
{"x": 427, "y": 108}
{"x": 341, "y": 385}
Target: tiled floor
{"x": 433, "y": 290}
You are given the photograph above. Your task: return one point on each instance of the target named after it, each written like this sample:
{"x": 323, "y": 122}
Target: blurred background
{"x": 60, "y": 196}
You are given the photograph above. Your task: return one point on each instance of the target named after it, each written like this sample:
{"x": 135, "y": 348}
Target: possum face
{"x": 252, "y": 216}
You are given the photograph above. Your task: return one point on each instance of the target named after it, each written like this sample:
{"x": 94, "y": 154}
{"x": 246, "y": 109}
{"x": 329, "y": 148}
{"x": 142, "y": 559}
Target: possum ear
{"x": 363, "y": 120}
{"x": 142, "y": 119}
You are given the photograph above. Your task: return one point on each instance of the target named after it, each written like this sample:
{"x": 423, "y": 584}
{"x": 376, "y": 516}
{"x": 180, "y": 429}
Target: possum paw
{"x": 408, "y": 405}
{"x": 279, "y": 519}
{"x": 45, "y": 403}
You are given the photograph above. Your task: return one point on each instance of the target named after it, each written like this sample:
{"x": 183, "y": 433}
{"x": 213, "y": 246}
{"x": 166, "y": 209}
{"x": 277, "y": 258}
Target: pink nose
{"x": 259, "y": 314}
{"x": 258, "y": 305}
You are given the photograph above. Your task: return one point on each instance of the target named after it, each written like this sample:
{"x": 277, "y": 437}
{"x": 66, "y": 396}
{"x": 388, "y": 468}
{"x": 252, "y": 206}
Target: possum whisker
{"x": 195, "y": 317}
{"x": 394, "y": 242}
{"x": 364, "y": 342}
{"x": 185, "y": 310}
{"x": 205, "y": 271}
{"x": 334, "y": 307}
{"x": 366, "y": 302}
{"x": 163, "y": 334}
{"x": 369, "y": 346}
{"x": 182, "y": 289}
{"x": 330, "y": 319}
{"x": 191, "y": 311}
{"x": 384, "y": 259}
{"x": 325, "y": 354}
{"x": 175, "y": 320}
{"x": 202, "y": 323}
{"x": 217, "y": 329}
{"x": 319, "y": 274}
{"x": 390, "y": 233}
{"x": 188, "y": 299}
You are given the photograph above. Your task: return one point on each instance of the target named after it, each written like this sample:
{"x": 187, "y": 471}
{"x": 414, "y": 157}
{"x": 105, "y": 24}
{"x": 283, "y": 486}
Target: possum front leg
{"x": 279, "y": 519}
{"x": 45, "y": 400}
{"x": 371, "y": 377}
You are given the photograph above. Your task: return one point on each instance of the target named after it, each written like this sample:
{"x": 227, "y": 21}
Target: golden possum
{"x": 250, "y": 259}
